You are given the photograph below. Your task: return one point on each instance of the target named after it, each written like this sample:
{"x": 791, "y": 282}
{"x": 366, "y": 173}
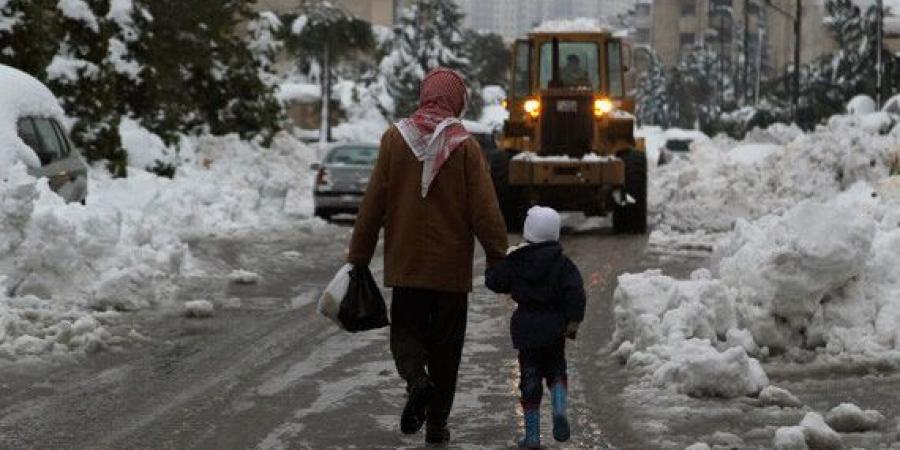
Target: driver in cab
{"x": 573, "y": 74}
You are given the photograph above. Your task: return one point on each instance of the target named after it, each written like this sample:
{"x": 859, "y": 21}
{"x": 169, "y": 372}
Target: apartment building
{"x": 672, "y": 27}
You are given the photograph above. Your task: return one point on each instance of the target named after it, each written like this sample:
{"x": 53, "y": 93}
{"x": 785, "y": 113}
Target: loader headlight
{"x": 533, "y": 108}
{"x": 603, "y": 106}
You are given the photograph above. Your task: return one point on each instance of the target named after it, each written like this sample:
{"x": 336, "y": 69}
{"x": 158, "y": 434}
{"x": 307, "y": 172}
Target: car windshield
{"x": 353, "y": 156}
{"x": 577, "y": 65}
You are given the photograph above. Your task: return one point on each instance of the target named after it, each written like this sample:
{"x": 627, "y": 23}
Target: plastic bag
{"x": 330, "y": 301}
{"x": 362, "y": 308}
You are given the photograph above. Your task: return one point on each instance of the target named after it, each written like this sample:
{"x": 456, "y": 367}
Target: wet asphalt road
{"x": 270, "y": 373}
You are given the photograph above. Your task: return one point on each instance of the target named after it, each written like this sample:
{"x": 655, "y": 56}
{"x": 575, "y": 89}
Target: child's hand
{"x": 572, "y": 330}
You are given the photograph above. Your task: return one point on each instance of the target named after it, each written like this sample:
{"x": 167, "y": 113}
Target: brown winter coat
{"x": 430, "y": 242}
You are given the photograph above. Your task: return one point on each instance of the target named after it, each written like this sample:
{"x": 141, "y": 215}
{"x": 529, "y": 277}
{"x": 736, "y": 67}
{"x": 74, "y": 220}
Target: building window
{"x": 688, "y": 8}
{"x": 722, "y": 4}
{"x": 642, "y": 9}
{"x": 643, "y": 35}
{"x": 686, "y": 39}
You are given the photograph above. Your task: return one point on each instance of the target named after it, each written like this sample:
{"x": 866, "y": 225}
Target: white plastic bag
{"x": 330, "y": 302}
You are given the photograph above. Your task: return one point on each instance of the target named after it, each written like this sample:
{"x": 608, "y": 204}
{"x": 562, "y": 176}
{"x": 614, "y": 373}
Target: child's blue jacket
{"x": 548, "y": 289}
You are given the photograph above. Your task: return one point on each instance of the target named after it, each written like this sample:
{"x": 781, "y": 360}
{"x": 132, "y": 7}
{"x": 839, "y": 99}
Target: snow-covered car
{"x": 342, "y": 178}
{"x": 31, "y": 132}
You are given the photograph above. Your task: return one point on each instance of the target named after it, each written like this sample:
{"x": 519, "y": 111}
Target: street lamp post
{"x": 879, "y": 64}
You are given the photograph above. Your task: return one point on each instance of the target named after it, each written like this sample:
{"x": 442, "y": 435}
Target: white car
{"x": 31, "y": 132}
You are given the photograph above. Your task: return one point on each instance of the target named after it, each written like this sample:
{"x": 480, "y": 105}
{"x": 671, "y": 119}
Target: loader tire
{"x": 511, "y": 198}
{"x": 632, "y": 219}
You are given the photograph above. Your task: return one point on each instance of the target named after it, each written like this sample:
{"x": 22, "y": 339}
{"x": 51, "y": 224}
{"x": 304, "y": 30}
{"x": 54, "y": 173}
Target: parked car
{"x": 343, "y": 175}
{"x": 342, "y": 178}
{"x": 42, "y": 143}
{"x": 673, "y": 148}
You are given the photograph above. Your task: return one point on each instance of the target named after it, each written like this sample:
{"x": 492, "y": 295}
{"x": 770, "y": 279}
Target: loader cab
{"x": 564, "y": 87}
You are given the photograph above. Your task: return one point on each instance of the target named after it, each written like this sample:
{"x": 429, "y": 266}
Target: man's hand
{"x": 572, "y": 330}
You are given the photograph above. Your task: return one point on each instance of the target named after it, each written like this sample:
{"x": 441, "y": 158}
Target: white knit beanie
{"x": 541, "y": 225}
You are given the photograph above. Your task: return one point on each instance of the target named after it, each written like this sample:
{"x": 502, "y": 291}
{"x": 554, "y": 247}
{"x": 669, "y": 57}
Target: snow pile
{"x": 232, "y": 184}
{"x": 812, "y": 433}
{"x": 66, "y": 268}
{"x": 776, "y": 396}
{"x": 721, "y": 181}
{"x": 861, "y": 105}
{"x": 144, "y": 147}
{"x": 684, "y": 335}
{"x": 849, "y": 418}
{"x": 65, "y": 264}
{"x": 821, "y": 278}
{"x": 198, "y": 309}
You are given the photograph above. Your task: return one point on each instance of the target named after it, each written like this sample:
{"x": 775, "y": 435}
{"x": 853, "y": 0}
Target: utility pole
{"x": 745, "y": 76}
{"x": 798, "y": 20}
{"x": 879, "y": 64}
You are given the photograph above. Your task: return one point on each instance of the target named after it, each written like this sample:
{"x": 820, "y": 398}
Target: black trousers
{"x": 428, "y": 329}
{"x": 537, "y": 365}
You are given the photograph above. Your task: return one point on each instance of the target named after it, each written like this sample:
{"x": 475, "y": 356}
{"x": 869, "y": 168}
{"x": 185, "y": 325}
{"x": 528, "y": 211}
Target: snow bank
{"x": 144, "y": 148}
{"x": 721, "y": 180}
{"x": 232, "y": 184}
{"x": 65, "y": 269}
{"x": 677, "y": 333}
{"x": 821, "y": 278}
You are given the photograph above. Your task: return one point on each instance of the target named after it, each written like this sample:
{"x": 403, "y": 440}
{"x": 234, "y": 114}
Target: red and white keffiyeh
{"x": 434, "y": 131}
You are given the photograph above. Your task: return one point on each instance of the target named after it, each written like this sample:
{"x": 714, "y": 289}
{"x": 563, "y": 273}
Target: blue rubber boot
{"x": 532, "y": 437}
{"x": 560, "y": 421}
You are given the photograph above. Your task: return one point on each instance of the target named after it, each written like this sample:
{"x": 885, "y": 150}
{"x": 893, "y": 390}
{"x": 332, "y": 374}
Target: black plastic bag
{"x": 363, "y": 307}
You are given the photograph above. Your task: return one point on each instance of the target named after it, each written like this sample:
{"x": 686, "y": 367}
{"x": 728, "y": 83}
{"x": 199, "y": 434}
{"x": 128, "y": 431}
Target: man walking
{"x": 432, "y": 193}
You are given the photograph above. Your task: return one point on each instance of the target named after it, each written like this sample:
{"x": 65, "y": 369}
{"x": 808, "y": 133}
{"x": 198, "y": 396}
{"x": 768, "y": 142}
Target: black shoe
{"x": 420, "y": 393}
{"x": 437, "y": 434}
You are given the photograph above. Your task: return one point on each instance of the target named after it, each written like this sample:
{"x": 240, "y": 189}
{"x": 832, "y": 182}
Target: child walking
{"x": 548, "y": 289}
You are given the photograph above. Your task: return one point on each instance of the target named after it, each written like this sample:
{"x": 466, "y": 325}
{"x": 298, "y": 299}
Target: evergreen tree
{"x": 701, "y": 88}
{"x": 490, "y": 58}
{"x": 828, "y": 83}
{"x": 653, "y": 95}
{"x": 28, "y": 35}
{"x": 200, "y": 77}
{"x": 264, "y": 41}
{"x": 85, "y": 81}
{"x": 327, "y": 34}
{"x": 429, "y": 35}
